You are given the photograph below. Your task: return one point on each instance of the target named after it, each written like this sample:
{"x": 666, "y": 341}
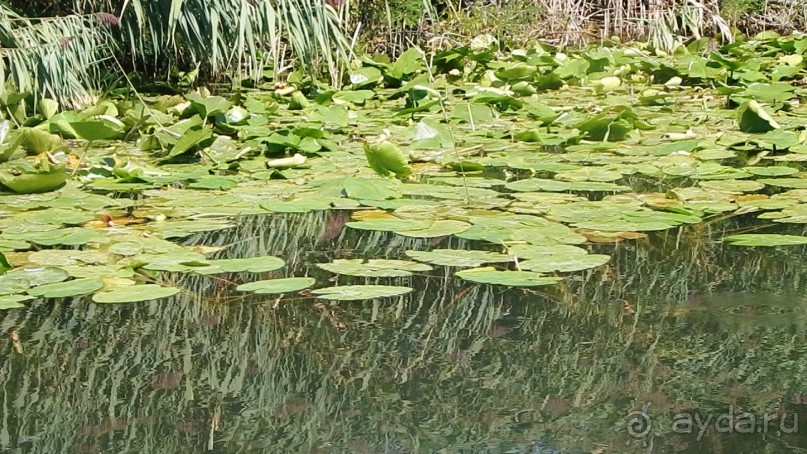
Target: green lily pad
{"x": 251, "y": 265}
{"x": 733, "y": 186}
{"x": 565, "y": 263}
{"x": 537, "y": 184}
{"x": 177, "y": 261}
{"x": 272, "y": 286}
{"x": 771, "y": 171}
{"x": 390, "y": 225}
{"x": 765, "y": 239}
{"x": 179, "y": 229}
{"x": 135, "y": 293}
{"x": 60, "y": 257}
{"x": 490, "y": 275}
{"x": 359, "y": 292}
{"x": 75, "y": 287}
{"x": 791, "y": 183}
{"x": 31, "y": 183}
{"x": 437, "y": 229}
{"x": 302, "y": 205}
{"x": 374, "y": 267}
{"x": 13, "y": 283}
{"x": 38, "y": 276}
{"x": 459, "y": 257}
{"x": 71, "y": 236}
{"x": 13, "y": 301}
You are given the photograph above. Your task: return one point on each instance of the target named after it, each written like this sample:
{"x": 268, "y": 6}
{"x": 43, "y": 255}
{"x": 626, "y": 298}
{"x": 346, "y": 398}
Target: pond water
{"x": 677, "y": 325}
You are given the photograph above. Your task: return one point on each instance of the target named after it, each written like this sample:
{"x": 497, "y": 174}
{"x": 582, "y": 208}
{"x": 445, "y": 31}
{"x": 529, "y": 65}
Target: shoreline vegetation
{"x": 73, "y": 51}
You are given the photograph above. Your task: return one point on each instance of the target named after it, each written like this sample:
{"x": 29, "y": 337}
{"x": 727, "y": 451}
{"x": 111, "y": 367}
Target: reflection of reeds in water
{"x": 451, "y": 365}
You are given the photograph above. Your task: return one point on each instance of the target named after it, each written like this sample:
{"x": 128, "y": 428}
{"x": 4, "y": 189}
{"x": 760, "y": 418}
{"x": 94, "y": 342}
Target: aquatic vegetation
{"x": 535, "y": 156}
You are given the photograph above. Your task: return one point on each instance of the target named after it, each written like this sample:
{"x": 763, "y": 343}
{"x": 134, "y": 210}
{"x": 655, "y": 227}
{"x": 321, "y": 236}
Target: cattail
{"x": 107, "y": 19}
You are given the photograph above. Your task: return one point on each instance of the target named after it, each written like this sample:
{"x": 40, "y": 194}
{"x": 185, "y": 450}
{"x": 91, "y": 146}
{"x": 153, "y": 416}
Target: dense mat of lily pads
{"x": 535, "y": 154}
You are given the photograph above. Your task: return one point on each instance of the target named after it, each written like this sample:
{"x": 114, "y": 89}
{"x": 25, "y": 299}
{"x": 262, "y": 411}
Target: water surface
{"x": 676, "y": 324}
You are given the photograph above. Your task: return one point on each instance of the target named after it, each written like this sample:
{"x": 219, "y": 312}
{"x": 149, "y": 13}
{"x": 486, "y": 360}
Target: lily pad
{"x": 13, "y": 283}
{"x": 38, "y": 276}
{"x": 31, "y": 183}
{"x": 359, "y": 292}
{"x": 437, "y": 229}
{"x": 374, "y": 267}
{"x": 272, "y": 286}
{"x": 75, "y": 287}
{"x": 490, "y": 275}
{"x": 251, "y": 265}
{"x": 565, "y": 263}
{"x": 390, "y": 225}
{"x": 765, "y": 239}
{"x": 13, "y": 301}
{"x": 459, "y": 257}
{"x": 135, "y": 293}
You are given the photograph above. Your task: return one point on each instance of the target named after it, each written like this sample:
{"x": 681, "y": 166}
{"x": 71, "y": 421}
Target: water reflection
{"x": 679, "y": 323}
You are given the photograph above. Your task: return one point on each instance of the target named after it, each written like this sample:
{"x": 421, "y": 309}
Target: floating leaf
{"x": 213, "y": 182}
{"x": 71, "y": 236}
{"x": 765, "y": 239}
{"x": 390, "y": 225}
{"x": 459, "y": 257}
{"x": 374, "y": 267}
{"x": 792, "y": 183}
{"x": 178, "y": 261}
{"x": 61, "y": 257}
{"x": 13, "y": 301}
{"x": 771, "y": 171}
{"x": 359, "y": 292}
{"x": 565, "y": 263}
{"x": 37, "y": 276}
{"x": 252, "y": 265}
{"x": 302, "y": 205}
{"x": 13, "y": 283}
{"x": 272, "y": 286}
{"x": 436, "y": 229}
{"x": 538, "y": 184}
{"x": 489, "y": 275}
{"x": 135, "y": 293}
{"x": 75, "y": 287}
{"x": 33, "y": 182}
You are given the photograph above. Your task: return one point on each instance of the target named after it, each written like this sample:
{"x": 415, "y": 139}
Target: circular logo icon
{"x": 638, "y": 424}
